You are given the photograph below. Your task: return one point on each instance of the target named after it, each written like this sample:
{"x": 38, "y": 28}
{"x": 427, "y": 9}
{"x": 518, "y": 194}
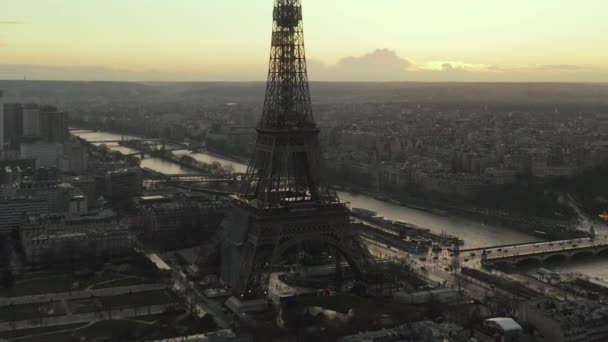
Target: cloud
{"x": 560, "y": 67}
{"x": 381, "y": 64}
{"x": 544, "y": 68}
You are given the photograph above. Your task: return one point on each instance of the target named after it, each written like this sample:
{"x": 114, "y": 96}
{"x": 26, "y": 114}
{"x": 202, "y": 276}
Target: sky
{"x": 346, "y": 40}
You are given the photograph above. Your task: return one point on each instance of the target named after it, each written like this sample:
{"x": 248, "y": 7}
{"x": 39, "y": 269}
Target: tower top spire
{"x": 287, "y": 104}
{"x": 284, "y": 167}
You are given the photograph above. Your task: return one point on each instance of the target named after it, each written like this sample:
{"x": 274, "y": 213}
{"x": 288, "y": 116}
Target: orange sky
{"x": 383, "y": 40}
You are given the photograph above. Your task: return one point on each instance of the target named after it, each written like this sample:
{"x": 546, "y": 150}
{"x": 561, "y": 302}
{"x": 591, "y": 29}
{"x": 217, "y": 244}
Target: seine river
{"x": 474, "y": 233}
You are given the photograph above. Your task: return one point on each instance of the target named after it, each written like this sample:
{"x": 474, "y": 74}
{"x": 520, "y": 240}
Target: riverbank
{"x": 474, "y": 230}
{"x": 546, "y": 229}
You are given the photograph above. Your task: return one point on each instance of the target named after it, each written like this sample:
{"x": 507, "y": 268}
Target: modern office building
{"x": 31, "y": 121}
{"x": 13, "y": 210}
{"x": 57, "y": 194}
{"x": 46, "y": 154}
{"x": 77, "y": 156}
{"x": 123, "y": 184}
{"x": 1, "y": 121}
{"x": 53, "y": 125}
{"x": 13, "y": 125}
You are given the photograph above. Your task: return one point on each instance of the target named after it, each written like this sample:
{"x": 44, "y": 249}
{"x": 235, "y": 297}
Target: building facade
{"x": 58, "y": 238}
{"x": 31, "y": 121}
{"x": 46, "y": 155}
{"x": 123, "y": 184}
{"x": 576, "y": 321}
{"x": 13, "y": 210}
{"x": 13, "y": 125}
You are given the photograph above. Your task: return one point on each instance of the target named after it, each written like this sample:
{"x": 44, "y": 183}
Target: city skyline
{"x": 348, "y": 41}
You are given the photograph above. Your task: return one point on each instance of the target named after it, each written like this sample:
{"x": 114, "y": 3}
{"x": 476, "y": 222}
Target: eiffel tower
{"x": 284, "y": 198}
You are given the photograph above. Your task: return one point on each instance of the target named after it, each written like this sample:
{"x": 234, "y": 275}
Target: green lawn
{"x": 31, "y": 311}
{"x": 95, "y": 331}
{"x": 123, "y": 282}
{"x": 62, "y": 281}
{"x": 139, "y": 299}
{"x": 35, "y": 331}
{"x": 38, "y": 285}
{"x": 166, "y": 316}
{"x": 84, "y": 305}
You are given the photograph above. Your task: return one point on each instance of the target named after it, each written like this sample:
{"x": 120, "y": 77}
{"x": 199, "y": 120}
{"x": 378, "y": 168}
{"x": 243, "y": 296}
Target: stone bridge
{"x": 538, "y": 252}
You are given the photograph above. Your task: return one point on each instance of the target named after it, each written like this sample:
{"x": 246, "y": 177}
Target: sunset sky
{"x": 346, "y": 40}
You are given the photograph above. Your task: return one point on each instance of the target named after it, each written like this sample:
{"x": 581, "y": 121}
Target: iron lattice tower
{"x": 282, "y": 190}
{"x": 287, "y": 154}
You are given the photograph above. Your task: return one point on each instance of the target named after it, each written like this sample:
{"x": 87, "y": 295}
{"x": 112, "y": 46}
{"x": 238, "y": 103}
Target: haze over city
{"x": 388, "y": 40}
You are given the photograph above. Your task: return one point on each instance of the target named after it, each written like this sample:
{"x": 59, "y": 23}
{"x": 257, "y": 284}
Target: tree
{"x": 7, "y": 279}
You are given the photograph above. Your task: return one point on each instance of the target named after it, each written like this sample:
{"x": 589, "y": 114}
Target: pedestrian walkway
{"x": 106, "y": 292}
{"x": 85, "y": 317}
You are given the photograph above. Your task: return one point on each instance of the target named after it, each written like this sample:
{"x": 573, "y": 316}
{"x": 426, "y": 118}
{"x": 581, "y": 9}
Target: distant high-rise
{"x": 31, "y": 121}
{"x": 1, "y": 121}
{"x": 53, "y": 125}
{"x": 13, "y": 125}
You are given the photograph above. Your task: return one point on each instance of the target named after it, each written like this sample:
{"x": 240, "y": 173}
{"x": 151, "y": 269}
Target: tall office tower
{"x": 13, "y": 125}
{"x": 31, "y": 121}
{"x": 53, "y": 125}
{"x": 2, "y": 121}
{"x": 283, "y": 203}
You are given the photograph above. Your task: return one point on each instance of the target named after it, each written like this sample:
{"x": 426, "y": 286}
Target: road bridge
{"x": 153, "y": 153}
{"x": 163, "y": 178}
{"x": 121, "y": 141}
{"x": 538, "y": 252}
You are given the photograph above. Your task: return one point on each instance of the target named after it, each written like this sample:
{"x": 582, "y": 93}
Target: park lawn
{"x": 53, "y": 283}
{"x": 31, "y": 311}
{"x": 62, "y": 281}
{"x": 165, "y": 316}
{"x": 123, "y": 282}
{"x": 97, "y": 330}
{"x": 84, "y": 305}
{"x": 38, "y": 285}
{"x": 139, "y": 299}
{"x": 7, "y": 335}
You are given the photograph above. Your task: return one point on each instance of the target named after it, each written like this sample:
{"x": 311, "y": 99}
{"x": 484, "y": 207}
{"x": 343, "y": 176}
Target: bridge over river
{"x": 152, "y": 176}
{"x": 540, "y": 252}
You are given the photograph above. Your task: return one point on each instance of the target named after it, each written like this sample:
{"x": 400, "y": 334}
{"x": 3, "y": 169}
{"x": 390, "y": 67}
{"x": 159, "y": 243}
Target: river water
{"x": 475, "y": 233}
